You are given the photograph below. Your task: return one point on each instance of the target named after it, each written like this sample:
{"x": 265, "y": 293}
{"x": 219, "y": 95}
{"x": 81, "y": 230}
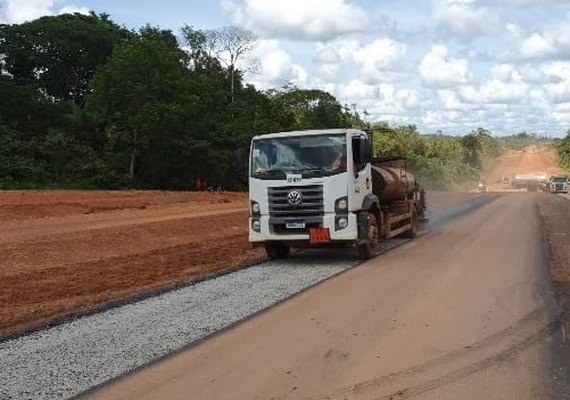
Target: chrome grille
{"x": 311, "y": 203}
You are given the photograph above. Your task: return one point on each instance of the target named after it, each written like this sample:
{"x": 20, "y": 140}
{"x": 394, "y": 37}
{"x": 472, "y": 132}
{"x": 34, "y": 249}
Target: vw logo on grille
{"x": 294, "y": 197}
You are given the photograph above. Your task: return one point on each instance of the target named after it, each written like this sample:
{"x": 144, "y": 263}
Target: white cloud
{"x": 277, "y": 67}
{"x": 18, "y": 11}
{"x": 552, "y": 42}
{"x": 299, "y": 19}
{"x": 534, "y": 2}
{"x": 558, "y": 92}
{"x": 328, "y": 55}
{"x": 536, "y": 76}
{"x": 504, "y": 72}
{"x": 440, "y": 71}
{"x": 465, "y": 18}
{"x": 450, "y": 99}
{"x": 496, "y": 92}
{"x": 381, "y": 60}
{"x": 515, "y": 30}
{"x": 73, "y": 10}
{"x": 537, "y": 46}
{"x": 330, "y": 72}
{"x": 357, "y": 90}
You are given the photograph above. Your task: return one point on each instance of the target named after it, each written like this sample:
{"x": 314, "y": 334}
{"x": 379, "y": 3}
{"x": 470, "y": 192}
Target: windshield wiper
{"x": 312, "y": 172}
{"x": 270, "y": 172}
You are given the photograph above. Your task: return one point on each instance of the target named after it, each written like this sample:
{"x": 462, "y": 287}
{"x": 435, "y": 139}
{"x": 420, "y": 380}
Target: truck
{"x": 558, "y": 184}
{"x": 532, "y": 182}
{"x": 323, "y": 188}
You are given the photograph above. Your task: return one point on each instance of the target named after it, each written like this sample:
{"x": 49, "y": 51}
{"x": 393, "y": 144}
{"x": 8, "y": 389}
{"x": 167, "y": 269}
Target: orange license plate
{"x": 320, "y": 235}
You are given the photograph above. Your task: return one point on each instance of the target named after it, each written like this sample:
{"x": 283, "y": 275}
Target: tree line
{"x": 563, "y": 148}
{"x": 87, "y": 103}
{"x": 439, "y": 161}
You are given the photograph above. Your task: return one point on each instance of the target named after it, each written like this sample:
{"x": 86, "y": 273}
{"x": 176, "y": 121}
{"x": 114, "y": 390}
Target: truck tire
{"x": 276, "y": 251}
{"x": 368, "y": 250}
{"x": 413, "y": 232}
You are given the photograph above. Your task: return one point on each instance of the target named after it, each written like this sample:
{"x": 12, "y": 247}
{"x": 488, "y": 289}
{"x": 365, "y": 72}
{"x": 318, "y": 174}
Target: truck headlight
{"x": 256, "y": 225}
{"x": 255, "y": 208}
{"x": 341, "y": 204}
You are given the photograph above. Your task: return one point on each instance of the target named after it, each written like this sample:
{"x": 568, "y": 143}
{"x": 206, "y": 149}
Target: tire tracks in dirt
{"x": 521, "y": 336}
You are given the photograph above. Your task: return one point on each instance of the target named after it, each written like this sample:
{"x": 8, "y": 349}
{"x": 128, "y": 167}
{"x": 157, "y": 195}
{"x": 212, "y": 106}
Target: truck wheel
{"x": 413, "y": 232}
{"x": 367, "y": 251}
{"x": 276, "y": 251}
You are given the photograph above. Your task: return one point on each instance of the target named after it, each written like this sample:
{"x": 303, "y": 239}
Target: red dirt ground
{"x": 68, "y": 251}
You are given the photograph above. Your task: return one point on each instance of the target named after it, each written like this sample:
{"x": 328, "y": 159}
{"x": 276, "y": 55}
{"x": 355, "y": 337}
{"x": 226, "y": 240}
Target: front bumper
{"x": 350, "y": 233}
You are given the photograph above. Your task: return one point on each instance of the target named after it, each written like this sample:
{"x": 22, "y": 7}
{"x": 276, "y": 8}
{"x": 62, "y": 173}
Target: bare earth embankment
{"x": 68, "y": 251}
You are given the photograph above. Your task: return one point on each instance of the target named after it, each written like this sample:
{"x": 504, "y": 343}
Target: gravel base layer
{"x": 66, "y": 360}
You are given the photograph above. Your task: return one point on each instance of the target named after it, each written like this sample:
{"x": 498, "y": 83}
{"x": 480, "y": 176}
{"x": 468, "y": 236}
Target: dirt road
{"x": 533, "y": 159}
{"x": 465, "y": 311}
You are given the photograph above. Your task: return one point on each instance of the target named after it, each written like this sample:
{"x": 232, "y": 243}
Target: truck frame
{"x": 323, "y": 188}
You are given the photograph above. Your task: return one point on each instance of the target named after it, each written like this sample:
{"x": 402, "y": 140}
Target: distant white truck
{"x": 531, "y": 182}
{"x": 558, "y": 184}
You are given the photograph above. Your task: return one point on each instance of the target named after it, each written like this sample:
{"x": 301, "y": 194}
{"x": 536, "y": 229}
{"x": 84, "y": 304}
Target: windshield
{"x": 559, "y": 179}
{"x": 307, "y": 155}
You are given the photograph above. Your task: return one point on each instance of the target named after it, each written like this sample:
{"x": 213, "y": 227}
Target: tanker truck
{"x": 323, "y": 188}
{"x": 531, "y": 182}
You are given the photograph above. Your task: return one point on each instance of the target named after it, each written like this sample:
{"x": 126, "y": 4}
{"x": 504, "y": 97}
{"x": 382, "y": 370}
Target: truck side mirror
{"x": 361, "y": 150}
{"x": 365, "y": 151}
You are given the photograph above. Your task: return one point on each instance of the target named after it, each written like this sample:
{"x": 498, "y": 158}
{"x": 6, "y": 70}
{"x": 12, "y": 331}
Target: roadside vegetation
{"x": 440, "y": 161}
{"x": 86, "y": 103}
{"x": 563, "y": 148}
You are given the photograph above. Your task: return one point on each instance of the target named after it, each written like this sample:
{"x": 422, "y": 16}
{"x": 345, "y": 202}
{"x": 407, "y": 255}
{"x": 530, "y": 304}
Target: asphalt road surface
{"x": 463, "y": 312}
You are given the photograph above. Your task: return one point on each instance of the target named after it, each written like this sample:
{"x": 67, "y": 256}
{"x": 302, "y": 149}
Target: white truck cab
{"x": 558, "y": 184}
{"x": 314, "y": 188}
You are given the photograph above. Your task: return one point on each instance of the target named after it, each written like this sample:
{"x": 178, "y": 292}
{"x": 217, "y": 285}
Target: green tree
{"x": 228, "y": 45}
{"x": 311, "y": 109}
{"x": 27, "y": 110}
{"x": 472, "y": 150}
{"x": 563, "y": 148}
{"x": 59, "y": 54}
{"x": 140, "y": 95}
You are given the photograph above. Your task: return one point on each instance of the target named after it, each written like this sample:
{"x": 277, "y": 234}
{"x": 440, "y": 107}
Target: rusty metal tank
{"x": 392, "y": 184}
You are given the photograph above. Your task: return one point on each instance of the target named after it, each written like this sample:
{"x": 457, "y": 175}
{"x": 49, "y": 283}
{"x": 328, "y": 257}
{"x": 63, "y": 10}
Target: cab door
{"x": 360, "y": 175}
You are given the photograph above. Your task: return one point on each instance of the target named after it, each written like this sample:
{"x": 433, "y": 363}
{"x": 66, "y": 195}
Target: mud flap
{"x": 362, "y": 223}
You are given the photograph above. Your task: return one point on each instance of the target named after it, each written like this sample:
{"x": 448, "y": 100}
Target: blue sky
{"x": 449, "y": 65}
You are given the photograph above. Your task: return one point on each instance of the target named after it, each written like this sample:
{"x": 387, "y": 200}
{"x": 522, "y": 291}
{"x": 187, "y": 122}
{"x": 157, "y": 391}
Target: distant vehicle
{"x": 323, "y": 188}
{"x": 482, "y": 186}
{"x": 531, "y": 182}
{"x": 558, "y": 184}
